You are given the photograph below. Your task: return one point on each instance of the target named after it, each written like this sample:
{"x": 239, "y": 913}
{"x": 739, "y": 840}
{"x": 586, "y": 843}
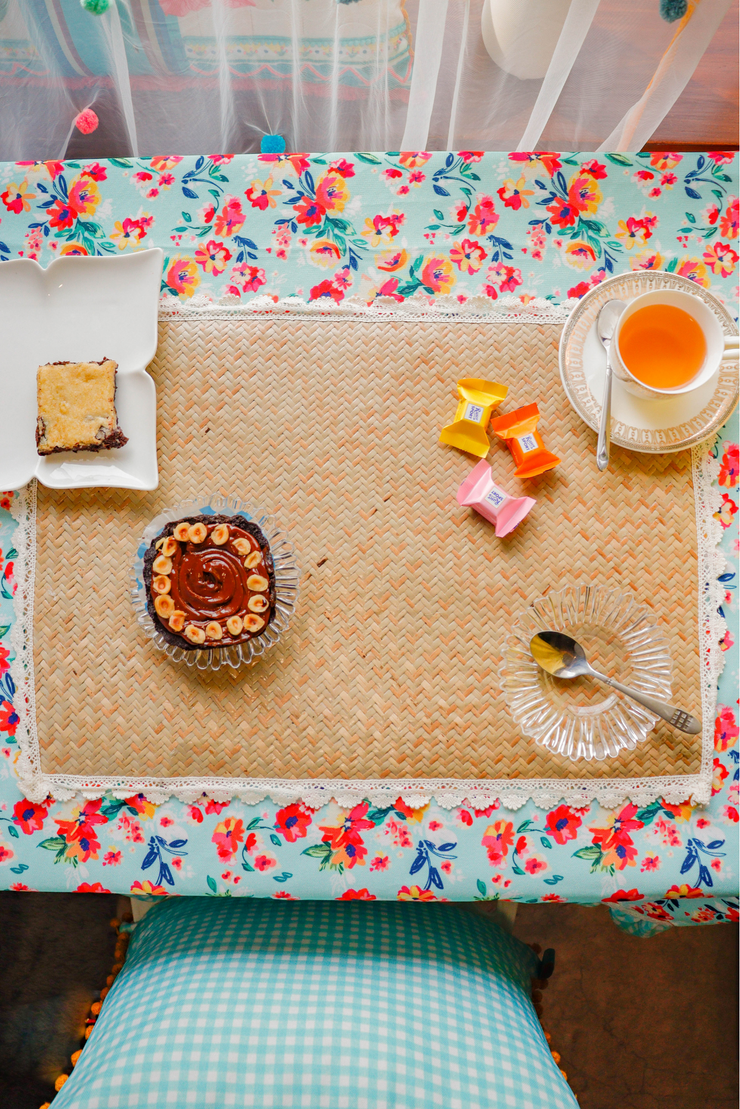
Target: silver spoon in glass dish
{"x": 605, "y": 325}
{"x": 562, "y": 657}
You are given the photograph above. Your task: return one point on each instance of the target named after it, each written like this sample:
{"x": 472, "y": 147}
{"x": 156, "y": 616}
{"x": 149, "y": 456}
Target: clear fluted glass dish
{"x": 287, "y": 578}
{"x": 583, "y": 718}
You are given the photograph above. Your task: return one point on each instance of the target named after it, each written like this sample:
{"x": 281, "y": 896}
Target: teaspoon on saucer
{"x": 605, "y": 325}
{"x": 563, "y": 657}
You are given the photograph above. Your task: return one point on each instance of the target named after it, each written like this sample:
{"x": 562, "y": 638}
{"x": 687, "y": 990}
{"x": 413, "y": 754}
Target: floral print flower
{"x": 411, "y": 159}
{"x": 357, "y": 895}
{"x": 535, "y": 865}
{"x": 726, "y": 511}
{"x": 728, "y": 224}
{"x": 650, "y": 862}
{"x": 230, "y": 217}
{"x": 84, "y": 196}
{"x": 563, "y": 823}
{"x": 227, "y": 836}
{"x": 345, "y": 837}
{"x": 437, "y": 274}
{"x": 647, "y": 260}
{"x": 17, "y": 198}
{"x": 684, "y": 890}
{"x": 665, "y": 159}
{"x": 332, "y": 192}
{"x": 623, "y": 895}
{"x": 113, "y": 858}
{"x": 182, "y": 277}
{"x": 729, "y": 470}
{"x": 468, "y": 255}
{"x": 719, "y": 775}
{"x": 292, "y": 822}
{"x": 390, "y": 260}
{"x": 264, "y": 862}
{"x": 325, "y": 252}
{"x": 634, "y": 231}
{"x": 694, "y": 269}
{"x": 497, "y": 840}
{"x": 483, "y": 217}
{"x": 148, "y": 889}
{"x": 725, "y": 729}
{"x": 29, "y": 817}
{"x": 514, "y": 194}
{"x": 721, "y": 259}
{"x": 261, "y": 194}
{"x": 614, "y": 840}
{"x": 245, "y": 278}
{"x": 212, "y": 256}
{"x": 79, "y": 833}
{"x": 581, "y": 255}
{"x": 416, "y": 893}
{"x": 9, "y": 719}
{"x": 94, "y": 887}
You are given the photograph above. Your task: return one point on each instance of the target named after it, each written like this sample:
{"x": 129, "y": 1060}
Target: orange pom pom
{"x": 114, "y": 923}
{"x": 95, "y": 1008}
{"x": 60, "y": 1082}
{"x": 74, "y": 1057}
{"x": 88, "y": 1030}
{"x": 104, "y": 993}
{"x": 556, "y": 1056}
{"x": 86, "y": 122}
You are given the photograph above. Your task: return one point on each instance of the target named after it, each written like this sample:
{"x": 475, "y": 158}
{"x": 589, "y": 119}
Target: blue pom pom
{"x": 671, "y": 10}
{"x": 96, "y": 7}
{"x": 272, "y": 144}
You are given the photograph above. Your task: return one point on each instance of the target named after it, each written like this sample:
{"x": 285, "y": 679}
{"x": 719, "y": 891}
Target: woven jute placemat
{"x": 390, "y": 667}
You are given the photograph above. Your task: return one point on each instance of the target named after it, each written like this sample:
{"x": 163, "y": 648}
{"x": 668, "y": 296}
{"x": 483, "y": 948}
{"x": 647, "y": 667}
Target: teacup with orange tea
{"x": 669, "y": 342}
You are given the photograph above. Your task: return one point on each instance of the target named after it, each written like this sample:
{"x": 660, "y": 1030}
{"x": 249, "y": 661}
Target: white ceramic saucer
{"x": 650, "y": 426}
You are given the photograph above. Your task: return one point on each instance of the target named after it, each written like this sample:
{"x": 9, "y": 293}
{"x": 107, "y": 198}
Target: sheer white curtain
{"x": 197, "y": 76}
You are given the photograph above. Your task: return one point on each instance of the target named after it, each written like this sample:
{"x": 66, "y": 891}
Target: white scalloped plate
{"x": 649, "y": 426}
{"x": 80, "y": 309}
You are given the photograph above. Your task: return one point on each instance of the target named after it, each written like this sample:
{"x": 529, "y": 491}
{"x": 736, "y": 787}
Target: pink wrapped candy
{"x": 479, "y": 491}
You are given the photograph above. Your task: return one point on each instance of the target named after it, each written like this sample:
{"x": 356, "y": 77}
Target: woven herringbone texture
{"x": 390, "y": 668}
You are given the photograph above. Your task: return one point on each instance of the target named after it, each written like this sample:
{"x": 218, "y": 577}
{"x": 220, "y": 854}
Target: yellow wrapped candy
{"x": 467, "y": 432}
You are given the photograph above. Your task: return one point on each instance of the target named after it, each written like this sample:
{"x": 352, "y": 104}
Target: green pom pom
{"x": 97, "y": 7}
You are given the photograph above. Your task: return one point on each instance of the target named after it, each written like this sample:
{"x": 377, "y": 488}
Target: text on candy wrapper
{"x": 527, "y": 443}
{"x": 474, "y": 413}
{"x": 495, "y": 498}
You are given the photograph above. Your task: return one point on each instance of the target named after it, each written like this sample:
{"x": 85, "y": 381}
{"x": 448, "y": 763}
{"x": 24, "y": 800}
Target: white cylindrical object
{"x": 521, "y": 35}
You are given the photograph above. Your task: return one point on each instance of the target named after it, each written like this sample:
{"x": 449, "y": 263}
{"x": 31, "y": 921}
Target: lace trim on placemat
{"x": 479, "y": 794}
{"x": 508, "y": 309}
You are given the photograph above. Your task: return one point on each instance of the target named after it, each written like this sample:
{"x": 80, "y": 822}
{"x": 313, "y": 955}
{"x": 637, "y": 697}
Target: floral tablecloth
{"x": 519, "y": 231}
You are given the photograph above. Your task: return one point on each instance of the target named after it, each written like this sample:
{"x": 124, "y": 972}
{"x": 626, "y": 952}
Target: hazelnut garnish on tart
{"x": 207, "y": 578}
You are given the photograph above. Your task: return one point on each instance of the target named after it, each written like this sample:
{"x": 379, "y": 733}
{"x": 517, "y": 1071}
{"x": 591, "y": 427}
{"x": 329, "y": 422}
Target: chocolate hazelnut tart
{"x": 210, "y": 582}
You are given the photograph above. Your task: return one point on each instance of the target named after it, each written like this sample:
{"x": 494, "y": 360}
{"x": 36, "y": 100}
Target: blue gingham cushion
{"x": 318, "y": 1005}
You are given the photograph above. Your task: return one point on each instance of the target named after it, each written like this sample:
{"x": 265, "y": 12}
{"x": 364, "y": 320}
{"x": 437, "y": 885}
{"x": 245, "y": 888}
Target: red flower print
{"x": 468, "y": 255}
{"x": 29, "y": 817}
{"x": 264, "y": 862}
{"x": 416, "y": 893}
{"x": 446, "y": 866}
{"x": 16, "y": 198}
{"x": 231, "y": 217}
{"x": 345, "y": 837}
{"x": 483, "y": 217}
{"x": 719, "y": 776}
{"x": 434, "y": 825}
{"x": 594, "y": 169}
{"x": 392, "y": 174}
{"x": 221, "y": 159}
{"x": 729, "y": 469}
{"x": 357, "y": 895}
{"x": 248, "y": 279}
{"x": 4, "y": 655}
{"x": 6, "y": 499}
{"x": 650, "y": 862}
{"x": 728, "y": 224}
{"x": 19, "y": 887}
{"x": 79, "y": 832}
{"x": 309, "y": 212}
{"x": 721, "y": 157}
{"x": 140, "y": 804}
{"x": 9, "y": 719}
{"x": 497, "y": 840}
{"x": 344, "y": 167}
{"x": 553, "y": 897}
{"x": 96, "y": 887}
{"x": 624, "y": 895}
{"x": 195, "y": 814}
{"x": 96, "y": 171}
{"x": 579, "y": 290}
{"x": 216, "y": 806}
{"x": 731, "y": 814}
{"x": 283, "y": 895}
{"x": 380, "y": 862}
{"x": 726, "y": 512}
{"x": 615, "y": 841}
{"x": 514, "y": 194}
{"x": 684, "y": 891}
{"x": 465, "y": 818}
{"x": 227, "y": 836}
{"x": 148, "y": 888}
{"x": 212, "y": 256}
{"x": 522, "y": 846}
{"x": 61, "y": 215}
{"x": 563, "y": 213}
{"x": 327, "y": 288}
{"x": 131, "y": 828}
{"x": 535, "y": 865}
{"x": 549, "y": 160}
{"x": 413, "y": 816}
{"x": 113, "y": 858}
{"x": 563, "y": 824}
{"x": 5, "y": 853}
{"x": 166, "y": 821}
{"x": 292, "y": 822}
{"x": 487, "y": 812}
{"x": 471, "y": 155}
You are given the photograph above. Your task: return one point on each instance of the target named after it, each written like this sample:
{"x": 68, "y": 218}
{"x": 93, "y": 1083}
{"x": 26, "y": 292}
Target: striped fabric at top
{"x": 318, "y": 1005}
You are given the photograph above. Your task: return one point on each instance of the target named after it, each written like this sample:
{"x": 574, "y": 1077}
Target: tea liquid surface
{"x": 663, "y": 346}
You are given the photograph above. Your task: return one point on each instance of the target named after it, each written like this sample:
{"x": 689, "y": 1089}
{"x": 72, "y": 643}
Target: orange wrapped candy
{"x": 519, "y": 429}
{"x": 467, "y": 432}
